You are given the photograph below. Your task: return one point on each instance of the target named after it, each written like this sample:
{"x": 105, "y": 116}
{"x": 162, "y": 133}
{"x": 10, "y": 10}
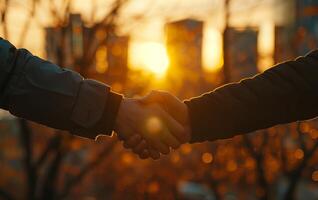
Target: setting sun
{"x": 150, "y": 56}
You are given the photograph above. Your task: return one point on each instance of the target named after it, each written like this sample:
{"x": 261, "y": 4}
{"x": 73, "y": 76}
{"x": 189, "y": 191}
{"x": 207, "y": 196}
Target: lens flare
{"x": 154, "y": 125}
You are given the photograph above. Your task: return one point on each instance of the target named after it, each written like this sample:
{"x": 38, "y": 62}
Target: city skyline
{"x": 150, "y": 29}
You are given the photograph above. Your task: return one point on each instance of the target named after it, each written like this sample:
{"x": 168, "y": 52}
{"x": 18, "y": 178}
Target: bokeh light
{"x": 314, "y": 176}
{"x": 207, "y": 158}
{"x": 299, "y": 154}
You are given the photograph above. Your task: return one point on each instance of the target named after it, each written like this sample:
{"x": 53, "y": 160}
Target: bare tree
{"x": 295, "y": 175}
{"x": 258, "y": 156}
{"x": 44, "y": 185}
{"x": 292, "y": 173}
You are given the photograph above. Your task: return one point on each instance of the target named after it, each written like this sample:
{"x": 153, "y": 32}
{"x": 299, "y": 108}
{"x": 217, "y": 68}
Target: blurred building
{"x": 240, "y": 54}
{"x": 76, "y": 32}
{"x": 73, "y": 46}
{"x": 65, "y": 45}
{"x": 284, "y": 40}
{"x": 184, "y": 46}
{"x": 307, "y": 25}
{"x": 117, "y": 59}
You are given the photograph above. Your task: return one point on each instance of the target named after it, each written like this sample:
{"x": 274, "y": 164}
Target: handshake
{"x": 151, "y": 125}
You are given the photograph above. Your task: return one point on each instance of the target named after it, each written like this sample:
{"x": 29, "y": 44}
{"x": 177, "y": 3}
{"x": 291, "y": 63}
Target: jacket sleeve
{"x": 42, "y": 92}
{"x": 285, "y": 93}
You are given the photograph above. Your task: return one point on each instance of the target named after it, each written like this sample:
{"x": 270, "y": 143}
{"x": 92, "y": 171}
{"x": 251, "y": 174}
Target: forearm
{"x": 40, "y": 91}
{"x": 285, "y": 93}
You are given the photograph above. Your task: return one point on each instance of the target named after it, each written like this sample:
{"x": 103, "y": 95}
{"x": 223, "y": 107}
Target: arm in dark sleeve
{"x": 285, "y": 93}
{"x": 42, "y": 92}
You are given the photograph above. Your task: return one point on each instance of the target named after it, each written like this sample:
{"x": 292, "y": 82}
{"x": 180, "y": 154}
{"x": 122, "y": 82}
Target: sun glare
{"x": 150, "y": 56}
{"x": 212, "y": 57}
{"x": 266, "y": 45}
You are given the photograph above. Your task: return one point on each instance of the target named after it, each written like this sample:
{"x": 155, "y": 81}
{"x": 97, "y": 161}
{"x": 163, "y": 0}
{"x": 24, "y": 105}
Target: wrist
{"x": 111, "y": 112}
{"x": 122, "y": 110}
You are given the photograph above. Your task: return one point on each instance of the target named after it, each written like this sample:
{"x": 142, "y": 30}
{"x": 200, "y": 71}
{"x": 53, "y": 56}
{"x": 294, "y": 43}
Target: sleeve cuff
{"x": 95, "y": 111}
{"x": 195, "y": 118}
{"x": 106, "y": 125}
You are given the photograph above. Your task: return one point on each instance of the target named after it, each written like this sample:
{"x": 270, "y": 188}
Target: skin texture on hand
{"x": 141, "y": 124}
{"x": 175, "y": 108}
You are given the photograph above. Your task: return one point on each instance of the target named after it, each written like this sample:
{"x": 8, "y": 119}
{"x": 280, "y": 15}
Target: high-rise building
{"x": 65, "y": 45}
{"x": 76, "y": 26}
{"x": 307, "y": 26}
{"x": 284, "y": 40}
{"x": 117, "y": 59}
{"x": 184, "y": 46}
{"x": 240, "y": 54}
{"x": 69, "y": 46}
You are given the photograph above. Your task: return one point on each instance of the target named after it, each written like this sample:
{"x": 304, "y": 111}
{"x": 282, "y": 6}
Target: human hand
{"x": 143, "y": 124}
{"x": 172, "y": 105}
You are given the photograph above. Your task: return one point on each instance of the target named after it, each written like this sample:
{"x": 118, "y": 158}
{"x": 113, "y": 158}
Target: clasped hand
{"x": 154, "y": 124}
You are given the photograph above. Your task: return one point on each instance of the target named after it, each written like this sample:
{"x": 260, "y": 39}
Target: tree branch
{"x": 49, "y": 187}
{"x": 52, "y": 144}
{"x": 30, "y": 171}
{"x": 26, "y": 25}
{"x": 78, "y": 178}
{"x": 301, "y": 136}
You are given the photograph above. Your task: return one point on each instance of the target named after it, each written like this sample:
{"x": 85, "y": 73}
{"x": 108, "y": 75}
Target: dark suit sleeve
{"x": 285, "y": 93}
{"x": 40, "y": 91}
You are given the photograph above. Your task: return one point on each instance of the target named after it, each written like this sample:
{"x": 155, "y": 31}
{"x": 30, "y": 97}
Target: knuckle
{"x": 165, "y": 150}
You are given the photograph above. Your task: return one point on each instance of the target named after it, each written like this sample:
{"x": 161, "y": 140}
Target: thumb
{"x": 154, "y": 96}
{"x": 171, "y": 104}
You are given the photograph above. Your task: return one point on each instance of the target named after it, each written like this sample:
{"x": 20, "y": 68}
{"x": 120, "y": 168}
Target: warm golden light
{"x": 315, "y": 176}
{"x": 186, "y": 149}
{"x": 231, "y": 166}
{"x": 154, "y": 125}
{"x": 212, "y": 49}
{"x": 175, "y": 157}
{"x": 150, "y": 56}
{"x": 266, "y": 45}
{"x": 127, "y": 158}
{"x": 101, "y": 60}
{"x": 299, "y": 154}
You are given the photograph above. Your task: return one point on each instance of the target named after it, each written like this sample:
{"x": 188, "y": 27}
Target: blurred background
{"x": 187, "y": 47}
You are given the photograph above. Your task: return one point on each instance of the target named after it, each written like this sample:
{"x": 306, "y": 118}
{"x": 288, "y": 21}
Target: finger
{"x": 133, "y": 141}
{"x": 153, "y": 96}
{"x": 154, "y": 154}
{"x": 170, "y": 104}
{"x": 176, "y": 108}
{"x": 141, "y": 147}
{"x": 144, "y": 155}
{"x": 159, "y": 145}
{"x": 174, "y": 127}
{"x": 170, "y": 140}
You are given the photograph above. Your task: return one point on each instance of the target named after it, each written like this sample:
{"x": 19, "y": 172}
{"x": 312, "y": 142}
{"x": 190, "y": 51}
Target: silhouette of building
{"x": 307, "y": 26}
{"x": 65, "y": 45}
{"x": 117, "y": 59}
{"x": 284, "y": 42}
{"x": 240, "y": 55}
{"x": 69, "y": 46}
{"x": 184, "y": 46}
{"x": 76, "y": 32}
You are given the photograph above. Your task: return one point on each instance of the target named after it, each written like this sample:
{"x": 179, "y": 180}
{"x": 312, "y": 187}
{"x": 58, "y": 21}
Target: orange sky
{"x": 262, "y": 13}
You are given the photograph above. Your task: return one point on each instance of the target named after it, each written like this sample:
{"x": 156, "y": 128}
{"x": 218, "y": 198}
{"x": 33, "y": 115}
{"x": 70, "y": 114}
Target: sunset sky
{"x": 155, "y": 13}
